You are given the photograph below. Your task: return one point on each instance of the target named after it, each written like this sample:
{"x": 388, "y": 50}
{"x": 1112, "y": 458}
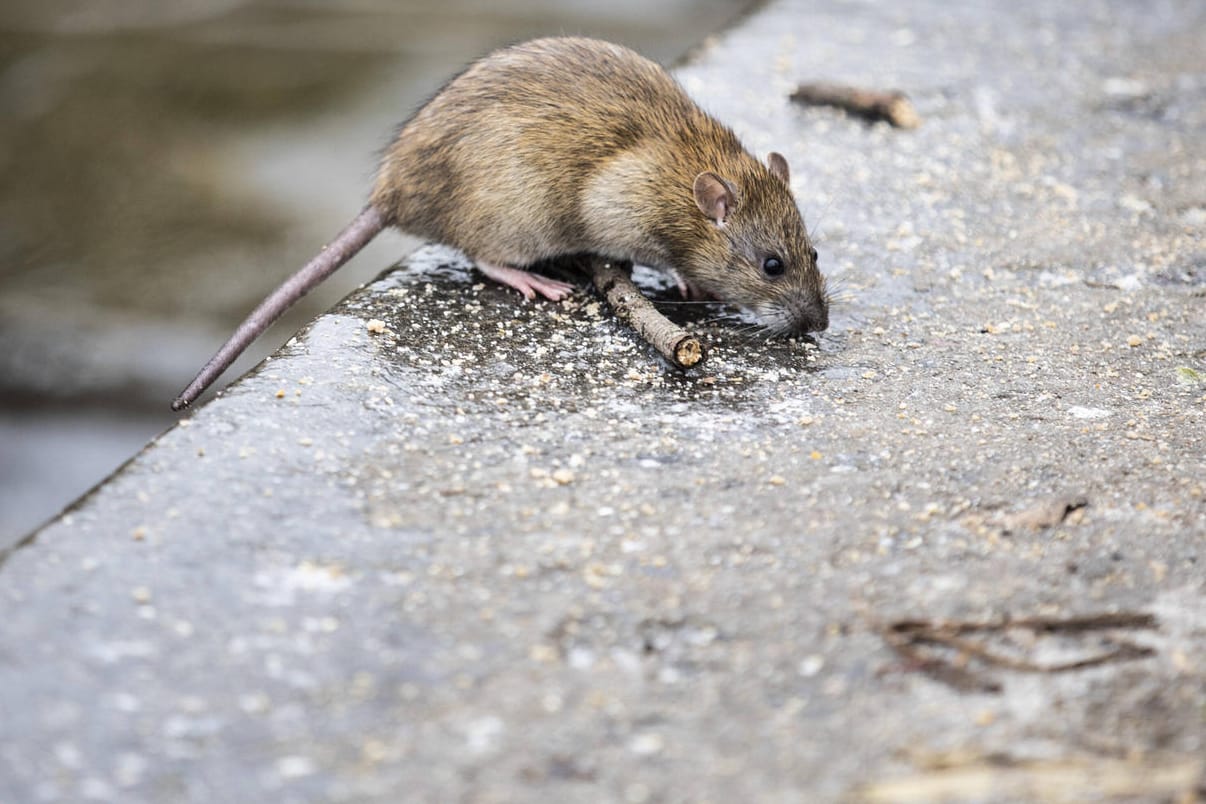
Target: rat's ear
{"x": 778, "y": 166}
{"x": 714, "y": 196}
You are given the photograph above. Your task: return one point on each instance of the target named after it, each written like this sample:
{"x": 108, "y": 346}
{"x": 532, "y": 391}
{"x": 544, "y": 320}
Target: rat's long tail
{"x": 354, "y": 237}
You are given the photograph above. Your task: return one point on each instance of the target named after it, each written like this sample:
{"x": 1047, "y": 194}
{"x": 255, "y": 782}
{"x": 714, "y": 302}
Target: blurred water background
{"x": 164, "y": 165}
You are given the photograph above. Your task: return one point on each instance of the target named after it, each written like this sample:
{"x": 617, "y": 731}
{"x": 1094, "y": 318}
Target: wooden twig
{"x": 870, "y": 104}
{"x": 939, "y": 669}
{"x": 613, "y": 282}
{"x": 1087, "y": 622}
{"x": 968, "y": 648}
{"x": 906, "y": 638}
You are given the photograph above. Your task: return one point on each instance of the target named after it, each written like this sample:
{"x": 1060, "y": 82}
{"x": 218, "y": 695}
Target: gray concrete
{"x": 497, "y": 553}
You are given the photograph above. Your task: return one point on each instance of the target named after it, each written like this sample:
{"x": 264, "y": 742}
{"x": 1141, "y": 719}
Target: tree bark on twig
{"x": 910, "y": 638}
{"x": 870, "y": 104}
{"x": 613, "y": 282}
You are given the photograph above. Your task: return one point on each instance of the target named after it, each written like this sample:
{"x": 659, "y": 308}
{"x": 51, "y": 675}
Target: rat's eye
{"x": 812, "y": 252}
{"x": 772, "y": 266}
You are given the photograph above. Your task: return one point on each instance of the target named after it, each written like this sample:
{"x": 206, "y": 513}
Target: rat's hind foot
{"x": 526, "y": 282}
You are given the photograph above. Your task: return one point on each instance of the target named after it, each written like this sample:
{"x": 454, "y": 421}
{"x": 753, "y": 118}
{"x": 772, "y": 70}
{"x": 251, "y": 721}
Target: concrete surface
{"x": 498, "y": 553}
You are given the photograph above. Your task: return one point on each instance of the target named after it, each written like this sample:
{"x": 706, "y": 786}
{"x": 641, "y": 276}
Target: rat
{"x": 567, "y": 146}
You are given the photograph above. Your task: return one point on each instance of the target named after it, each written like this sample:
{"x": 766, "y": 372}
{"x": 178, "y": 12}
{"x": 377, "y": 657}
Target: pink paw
{"x": 526, "y": 282}
{"x": 691, "y": 292}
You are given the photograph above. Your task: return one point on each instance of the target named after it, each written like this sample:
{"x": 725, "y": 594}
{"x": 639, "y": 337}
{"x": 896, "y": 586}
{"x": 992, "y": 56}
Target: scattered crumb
{"x": 542, "y": 653}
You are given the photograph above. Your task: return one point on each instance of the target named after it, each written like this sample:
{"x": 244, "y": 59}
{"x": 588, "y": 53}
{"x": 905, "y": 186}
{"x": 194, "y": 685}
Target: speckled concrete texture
{"x": 494, "y": 551}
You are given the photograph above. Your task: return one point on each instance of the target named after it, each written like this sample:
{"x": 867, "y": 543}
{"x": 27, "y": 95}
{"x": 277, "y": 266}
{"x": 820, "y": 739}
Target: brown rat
{"x": 567, "y": 146}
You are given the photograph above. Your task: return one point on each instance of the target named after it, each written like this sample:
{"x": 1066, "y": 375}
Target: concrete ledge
{"x": 497, "y": 553}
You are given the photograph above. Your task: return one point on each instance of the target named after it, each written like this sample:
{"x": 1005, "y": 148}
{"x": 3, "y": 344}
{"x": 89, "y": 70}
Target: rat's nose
{"x": 811, "y": 316}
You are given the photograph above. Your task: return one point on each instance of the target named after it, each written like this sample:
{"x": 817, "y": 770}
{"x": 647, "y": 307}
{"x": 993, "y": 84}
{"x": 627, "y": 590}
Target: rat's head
{"x": 756, "y": 253}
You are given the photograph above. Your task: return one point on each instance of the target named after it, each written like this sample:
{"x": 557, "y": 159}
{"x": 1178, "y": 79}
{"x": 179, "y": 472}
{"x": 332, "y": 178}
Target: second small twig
{"x": 870, "y": 104}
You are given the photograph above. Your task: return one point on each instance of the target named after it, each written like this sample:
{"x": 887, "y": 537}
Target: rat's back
{"x": 495, "y": 161}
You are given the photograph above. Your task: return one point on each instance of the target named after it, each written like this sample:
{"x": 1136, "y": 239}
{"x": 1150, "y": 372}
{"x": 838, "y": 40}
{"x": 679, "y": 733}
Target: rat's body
{"x": 570, "y": 146}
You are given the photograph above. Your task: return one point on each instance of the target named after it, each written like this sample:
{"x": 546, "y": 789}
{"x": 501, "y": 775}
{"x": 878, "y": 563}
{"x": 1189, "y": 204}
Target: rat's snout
{"x": 810, "y": 316}
{"x": 796, "y": 315}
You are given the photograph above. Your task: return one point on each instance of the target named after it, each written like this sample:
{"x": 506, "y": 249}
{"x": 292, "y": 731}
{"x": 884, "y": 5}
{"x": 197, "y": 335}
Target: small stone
{"x": 598, "y": 575}
{"x": 482, "y": 735}
{"x": 1134, "y": 203}
{"x": 1134, "y": 340}
{"x": 542, "y": 653}
{"x": 254, "y": 703}
{"x": 777, "y": 480}
{"x": 646, "y": 744}
{"x": 1081, "y": 412}
{"x": 293, "y": 767}
{"x": 563, "y": 476}
{"x": 810, "y": 665}
{"x": 1124, "y": 87}
{"x": 375, "y": 326}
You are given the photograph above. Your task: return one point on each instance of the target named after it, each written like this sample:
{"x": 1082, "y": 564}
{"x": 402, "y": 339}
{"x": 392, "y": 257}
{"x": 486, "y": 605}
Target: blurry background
{"x": 165, "y": 165}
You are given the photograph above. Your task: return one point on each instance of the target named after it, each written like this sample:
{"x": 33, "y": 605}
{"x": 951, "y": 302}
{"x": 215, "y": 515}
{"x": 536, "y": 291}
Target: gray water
{"x": 163, "y": 166}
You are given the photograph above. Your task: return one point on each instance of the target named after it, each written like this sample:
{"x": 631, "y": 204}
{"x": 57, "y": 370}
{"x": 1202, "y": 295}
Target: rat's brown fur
{"x": 568, "y": 145}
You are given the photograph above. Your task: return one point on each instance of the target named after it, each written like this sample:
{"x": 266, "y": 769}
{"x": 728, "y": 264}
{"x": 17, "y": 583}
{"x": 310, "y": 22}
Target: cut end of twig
{"x": 900, "y": 113}
{"x": 689, "y": 352}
